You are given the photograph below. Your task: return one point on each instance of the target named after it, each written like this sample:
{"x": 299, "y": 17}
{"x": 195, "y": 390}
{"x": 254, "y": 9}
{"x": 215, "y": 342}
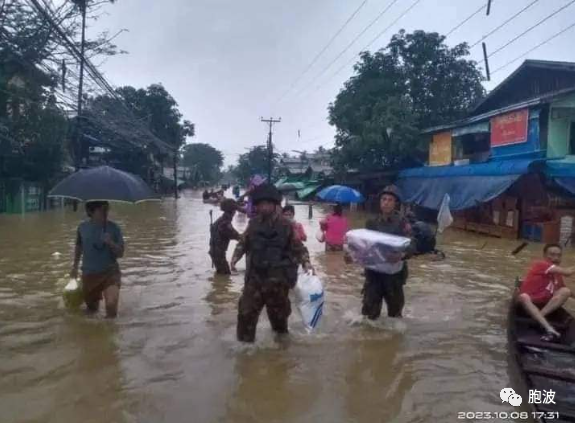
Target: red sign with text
{"x": 510, "y": 128}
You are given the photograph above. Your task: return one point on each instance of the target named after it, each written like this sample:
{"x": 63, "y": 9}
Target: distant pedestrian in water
{"x": 221, "y": 233}
{"x": 335, "y": 226}
{"x": 423, "y": 238}
{"x": 289, "y": 213}
{"x": 99, "y": 243}
{"x": 250, "y": 208}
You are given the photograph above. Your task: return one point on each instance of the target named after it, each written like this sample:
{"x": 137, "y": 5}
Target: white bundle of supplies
{"x": 309, "y": 298}
{"x": 376, "y": 250}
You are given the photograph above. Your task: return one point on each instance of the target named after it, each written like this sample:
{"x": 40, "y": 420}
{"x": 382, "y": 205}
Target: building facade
{"x": 509, "y": 168}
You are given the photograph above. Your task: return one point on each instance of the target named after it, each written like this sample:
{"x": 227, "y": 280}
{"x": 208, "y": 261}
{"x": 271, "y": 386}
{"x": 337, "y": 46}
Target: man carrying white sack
{"x": 386, "y": 286}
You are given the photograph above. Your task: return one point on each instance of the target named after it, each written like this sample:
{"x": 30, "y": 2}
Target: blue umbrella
{"x": 104, "y": 183}
{"x": 340, "y": 194}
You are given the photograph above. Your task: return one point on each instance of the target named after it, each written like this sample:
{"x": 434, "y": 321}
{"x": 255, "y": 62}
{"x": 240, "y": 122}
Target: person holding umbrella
{"x": 99, "y": 243}
{"x": 334, "y": 227}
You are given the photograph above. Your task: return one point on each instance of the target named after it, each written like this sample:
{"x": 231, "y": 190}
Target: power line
{"x": 535, "y": 48}
{"x": 378, "y": 36}
{"x": 531, "y": 28}
{"x": 402, "y": 15}
{"x": 459, "y": 25}
{"x": 113, "y": 122}
{"x": 503, "y": 24}
{"x": 455, "y": 28}
{"x": 91, "y": 69}
{"x": 323, "y": 50}
{"x": 373, "y": 22}
{"x": 370, "y": 43}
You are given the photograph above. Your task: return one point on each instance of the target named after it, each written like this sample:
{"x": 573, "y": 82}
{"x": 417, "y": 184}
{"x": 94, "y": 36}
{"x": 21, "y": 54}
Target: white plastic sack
{"x": 376, "y": 250}
{"x": 309, "y": 298}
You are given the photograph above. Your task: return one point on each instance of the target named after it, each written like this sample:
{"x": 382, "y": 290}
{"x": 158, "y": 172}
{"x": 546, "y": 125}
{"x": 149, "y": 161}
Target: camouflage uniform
{"x": 380, "y": 286}
{"x": 272, "y": 255}
{"x": 221, "y": 232}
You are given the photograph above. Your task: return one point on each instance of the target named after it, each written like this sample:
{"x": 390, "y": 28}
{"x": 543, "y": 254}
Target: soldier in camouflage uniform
{"x": 221, "y": 233}
{"x": 381, "y": 286}
{"x": 273, "y": 253}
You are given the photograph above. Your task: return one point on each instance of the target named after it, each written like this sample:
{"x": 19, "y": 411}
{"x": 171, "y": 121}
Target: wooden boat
{"x": 543, "y": 366}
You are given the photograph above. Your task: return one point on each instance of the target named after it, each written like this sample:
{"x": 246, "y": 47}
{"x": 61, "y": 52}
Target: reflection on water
{"x": 171, "y": 356}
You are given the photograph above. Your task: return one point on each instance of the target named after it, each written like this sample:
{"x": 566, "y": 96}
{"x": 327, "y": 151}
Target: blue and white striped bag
{"x": 310, "y": 298}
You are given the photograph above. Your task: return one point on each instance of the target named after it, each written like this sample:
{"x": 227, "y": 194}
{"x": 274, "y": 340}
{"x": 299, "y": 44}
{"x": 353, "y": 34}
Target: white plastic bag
{"x": 310, "y": 298}
{"x": 377, "y": 250}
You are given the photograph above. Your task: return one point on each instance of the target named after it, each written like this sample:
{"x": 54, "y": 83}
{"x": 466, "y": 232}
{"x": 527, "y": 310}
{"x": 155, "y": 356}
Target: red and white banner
{"x": 510, "y": 128}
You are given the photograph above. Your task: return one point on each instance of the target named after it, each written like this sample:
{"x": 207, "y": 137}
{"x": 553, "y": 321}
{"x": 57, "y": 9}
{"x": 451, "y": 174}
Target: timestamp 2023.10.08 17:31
{"x": 489, "y": 415}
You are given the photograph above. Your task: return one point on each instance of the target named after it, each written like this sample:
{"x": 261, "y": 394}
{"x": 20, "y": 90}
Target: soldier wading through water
{"x": 273, "y": 252}
{"x": 221, "y": 233}
{"x": 380, "y": 286}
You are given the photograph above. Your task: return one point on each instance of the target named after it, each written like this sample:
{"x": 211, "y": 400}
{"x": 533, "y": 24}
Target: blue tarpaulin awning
{"x": 467, "y": 185}
{"x": 562, "y": 172}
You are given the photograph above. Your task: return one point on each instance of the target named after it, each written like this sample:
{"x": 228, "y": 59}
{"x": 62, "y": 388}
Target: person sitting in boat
{"x": 543, "y": 290}
{"x": 206, "y": 195}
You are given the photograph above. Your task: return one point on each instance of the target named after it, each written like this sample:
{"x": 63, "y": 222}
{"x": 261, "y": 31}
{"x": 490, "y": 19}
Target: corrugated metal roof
{"x": 528, "y": 103}
{"x": 541, "y": 64}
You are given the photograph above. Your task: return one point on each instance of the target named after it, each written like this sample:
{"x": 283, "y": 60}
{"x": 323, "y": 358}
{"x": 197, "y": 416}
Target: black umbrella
{"x": 104, "y": 183}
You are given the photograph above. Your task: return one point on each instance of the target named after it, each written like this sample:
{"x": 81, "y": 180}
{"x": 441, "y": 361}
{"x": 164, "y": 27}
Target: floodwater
{"x": 171, "y": 356}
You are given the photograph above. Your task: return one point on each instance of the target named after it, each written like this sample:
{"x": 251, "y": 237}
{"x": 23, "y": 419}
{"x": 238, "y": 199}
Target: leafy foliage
{"x": 416, "y": 82}
{"x": 205, "y": 161}
{"x": 33, "y": 122}
{"x": 135, "y": 123}
{"x": 255, "y": 161}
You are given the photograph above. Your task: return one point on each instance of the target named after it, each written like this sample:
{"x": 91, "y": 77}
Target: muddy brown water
{"x": 171, "y": 356}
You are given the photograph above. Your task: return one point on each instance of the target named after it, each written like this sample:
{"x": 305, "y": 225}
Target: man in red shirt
{"x": 543, "y": 291}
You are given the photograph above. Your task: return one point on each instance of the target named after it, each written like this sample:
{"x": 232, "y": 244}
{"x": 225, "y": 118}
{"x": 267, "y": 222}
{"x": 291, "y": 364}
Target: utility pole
{"x": 82, "y": 5}
{"x": 270, "y": 122}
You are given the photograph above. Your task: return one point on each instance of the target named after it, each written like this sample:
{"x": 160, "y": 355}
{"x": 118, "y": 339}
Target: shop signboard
{"x": 510, "y": 128}
{"x": 440, "y": 149}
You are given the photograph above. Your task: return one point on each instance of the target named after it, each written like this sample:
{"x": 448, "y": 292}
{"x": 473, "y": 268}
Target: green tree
{"x": 255, "y": 161}
{"x": 159, "y": 110}
{"x": 133, "y": 122}
{"x": 416, "y": 82}
{"x": 31, "y": 61}
{"x": 205, "y": 160}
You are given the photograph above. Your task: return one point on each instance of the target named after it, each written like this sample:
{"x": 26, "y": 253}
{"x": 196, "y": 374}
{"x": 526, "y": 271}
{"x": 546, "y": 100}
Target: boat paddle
{"x": 519, "y": 248}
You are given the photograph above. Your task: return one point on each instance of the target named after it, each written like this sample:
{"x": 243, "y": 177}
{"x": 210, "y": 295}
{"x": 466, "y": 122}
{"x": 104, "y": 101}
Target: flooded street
{"x": 171, "y": 356}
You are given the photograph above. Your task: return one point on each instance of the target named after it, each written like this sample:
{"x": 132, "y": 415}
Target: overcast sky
{"x": 228, "y": 62}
